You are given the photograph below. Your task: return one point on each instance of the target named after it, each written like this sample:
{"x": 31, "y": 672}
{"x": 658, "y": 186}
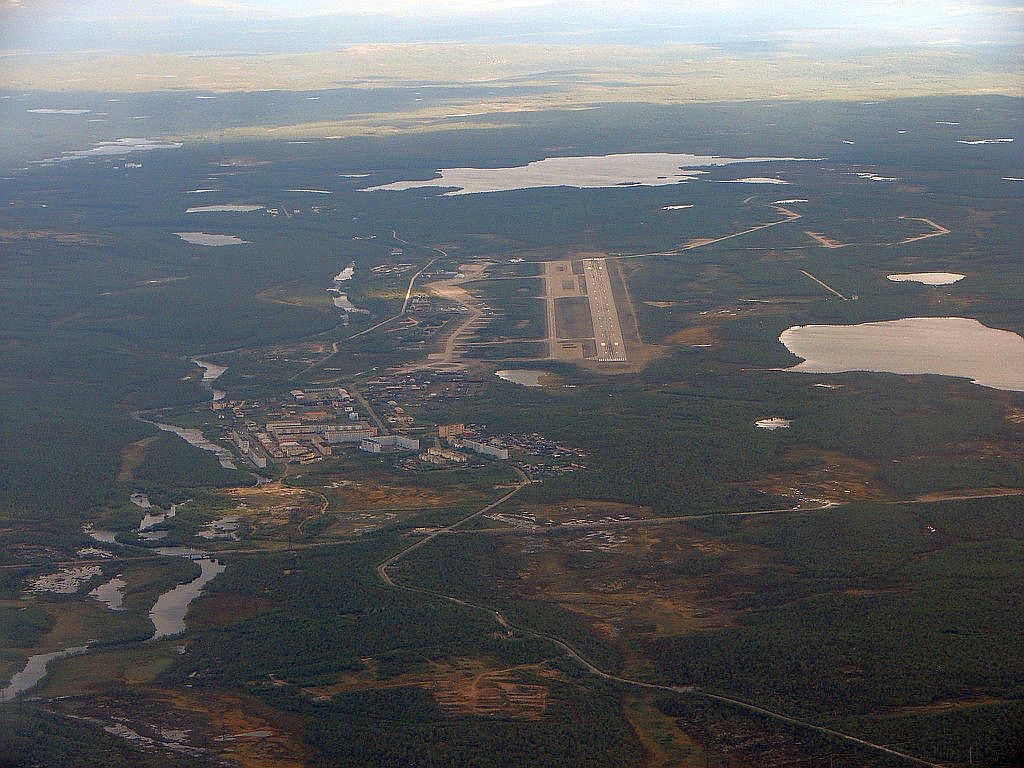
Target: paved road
{"x": 382, "y": 428}
{"x": 687, "y": 690}
{"x": 824, "y": 285}
{"x": 382, "y": 569}
{"x": 405, "y": 306}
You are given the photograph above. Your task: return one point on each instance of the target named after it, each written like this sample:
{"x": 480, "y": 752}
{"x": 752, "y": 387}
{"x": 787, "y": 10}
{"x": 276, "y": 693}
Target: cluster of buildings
{"x": 391, "y": 395}
{"x": 550, "y": 457}
{"x": 458, "y": 437}
{"x": 424, "y": 304}
{"x": 436, "y": 454}
{"x": 313, "y": 422}
{"x": 302, "y": 429}
{"x": 389, "y": 444}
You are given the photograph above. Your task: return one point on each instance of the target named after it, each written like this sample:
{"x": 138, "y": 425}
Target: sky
{"x": 268, "y": 26}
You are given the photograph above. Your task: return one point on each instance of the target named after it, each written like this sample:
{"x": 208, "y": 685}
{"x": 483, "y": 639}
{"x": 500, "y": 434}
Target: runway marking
{"x": 611, "y": 348}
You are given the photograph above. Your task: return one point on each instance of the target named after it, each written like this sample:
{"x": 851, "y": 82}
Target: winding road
{"x": 335, "y": 347}
{"x": 686, "y": 690}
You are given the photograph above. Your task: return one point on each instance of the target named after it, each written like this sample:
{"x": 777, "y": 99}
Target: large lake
{"x": 205, "y": 238}
{"x": 949, "y": 346}
{"x": 226, "y": 208}
{"x": 927, "y": 278}
{"x": 649, "y": 169}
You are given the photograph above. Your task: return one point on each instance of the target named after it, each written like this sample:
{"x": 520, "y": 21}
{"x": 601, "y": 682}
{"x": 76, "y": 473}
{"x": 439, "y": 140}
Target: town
{"x": 312, "y": 423}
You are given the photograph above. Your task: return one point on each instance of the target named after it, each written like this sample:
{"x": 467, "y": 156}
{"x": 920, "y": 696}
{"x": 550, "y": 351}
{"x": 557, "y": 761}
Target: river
{"x": 35, "y": 671}
{"x": 169, "y": 610}
{"x": 167, "y": 614}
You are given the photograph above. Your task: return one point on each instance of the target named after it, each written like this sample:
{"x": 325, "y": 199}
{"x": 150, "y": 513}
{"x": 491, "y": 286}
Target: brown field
{"x": 350, "y": 495}
{"x": 572, "y": 318}
{"x": 665, "y": 743}
{"x": 97, "y": 671}
{"x": 237, "y": 730}
{"x": 76, "y": 622}
{"x": 1015, "y": 416}
{"x": 274, "y": 503}
{"x": 969, "y": 493}
{"x": 131, "y": 456}
{"x": 295, "y": 296}
{"x": 834, "y": 477}
{"x": 950, "y": 705}
{"x": 693, "y": 336}
{"x": 462, "y": 687}
{"x": 628, "y": 583}
{"x": 249, "y": 733}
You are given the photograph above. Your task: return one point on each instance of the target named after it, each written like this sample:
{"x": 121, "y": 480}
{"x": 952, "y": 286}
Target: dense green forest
{"x": 870, "y": 616}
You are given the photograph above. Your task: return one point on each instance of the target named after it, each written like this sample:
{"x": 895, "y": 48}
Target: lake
{"x": 227, "y": 208}
{"x": 522, "y": 376}
{"x": 753, "y": 180}
{"x": 111, "y": 593}
{"x": 947, "y": 346}
{"x": 111, "y": 149}
{"x": 205, "y": 238}
{"x": 650, "y": 169}
{"x": 196, "y": 437}
{"x": 772, "y": 423}
{"x": 211, "y": 372}
{"x": 927, "y": 278}
{"x": 34, "y": 671}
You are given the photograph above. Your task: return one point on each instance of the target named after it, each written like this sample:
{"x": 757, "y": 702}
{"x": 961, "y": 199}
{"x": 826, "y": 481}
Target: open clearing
{"x": 937, "y": 230}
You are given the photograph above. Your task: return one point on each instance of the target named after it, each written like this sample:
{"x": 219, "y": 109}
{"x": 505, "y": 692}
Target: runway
{"x": 607, "y": 331}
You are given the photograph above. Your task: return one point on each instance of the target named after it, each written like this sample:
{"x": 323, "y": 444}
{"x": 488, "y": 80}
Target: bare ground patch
{"x": 585, "y": 510}
{"x": 274, "y": 503}
{"x": 351, "y": 495}
{"x": 693, "y": 336}
{"x": 61, "y": 238}
{"x": 639, "y": 582}
{"x": 131, "y": 456}
{"x": 666, "y": 745}
{"x": 462, "y": 687}
{"x": 825, "y": 475}
{"x": 234, "y": 729}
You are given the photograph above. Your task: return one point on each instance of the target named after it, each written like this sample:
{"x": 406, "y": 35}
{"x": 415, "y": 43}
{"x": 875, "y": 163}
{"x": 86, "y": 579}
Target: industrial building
{"x": 389, "y": 444}
{"x": 352, "y": 432}
{"x": 486, "y": 449}
{"x": 438, "y": 455}
{"x": 250, "y": 448}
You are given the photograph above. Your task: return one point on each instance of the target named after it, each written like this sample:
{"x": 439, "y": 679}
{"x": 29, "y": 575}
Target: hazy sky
{"x": 290, "y": 25}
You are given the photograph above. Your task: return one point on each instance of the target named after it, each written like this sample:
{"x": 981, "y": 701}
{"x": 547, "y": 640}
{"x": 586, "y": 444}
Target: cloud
{"x": 398, "y": 8}
{"x": 292, "y": 25}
